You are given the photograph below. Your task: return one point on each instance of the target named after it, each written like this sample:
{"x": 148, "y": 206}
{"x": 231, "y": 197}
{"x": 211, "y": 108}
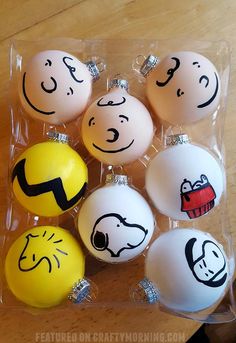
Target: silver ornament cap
{"x": 93, "y": 69}
{"x": 80, "y": 291}
{"x": 148, "y": 65}
{"x": 177, "y": 139}
{"x": 58, "y": 137}
{"x": 146, "y": 292}
{"x": 117, "y": 179}
{"x": 118, "y": 83}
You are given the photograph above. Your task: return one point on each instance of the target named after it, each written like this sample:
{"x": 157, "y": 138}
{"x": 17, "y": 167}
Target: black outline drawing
{"x": 43, "y": 258}
{"x": 208, "y": 102}
{"x": 195, "y": 187}
{"x": 191, "y": 263}
{"x": 50, "y": 90}
{"x": 55, "y": 186}
{"x": 30, "y": 103}
{"x": 170, "y": 72}
{"x": 106, "y": 237}
{"x": 111, "y": 103}
{"x": 71, "y": 69}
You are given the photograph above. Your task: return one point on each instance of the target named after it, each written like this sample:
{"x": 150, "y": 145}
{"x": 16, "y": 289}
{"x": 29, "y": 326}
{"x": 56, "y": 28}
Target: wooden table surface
{"x": 155, "y": 19}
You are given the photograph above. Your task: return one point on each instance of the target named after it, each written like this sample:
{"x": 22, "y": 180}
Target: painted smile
{"x": 113, "y": 151}
{"x": 30, "y": 103}
{"x": 208, "y": 102}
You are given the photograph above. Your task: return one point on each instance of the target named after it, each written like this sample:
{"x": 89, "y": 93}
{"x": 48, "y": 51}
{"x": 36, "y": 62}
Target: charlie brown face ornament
{"x": 55, "y": 86}
{"x": 49, "y": 178}
{"x": 117, "y": 128}
{"x": 182, "y": 88}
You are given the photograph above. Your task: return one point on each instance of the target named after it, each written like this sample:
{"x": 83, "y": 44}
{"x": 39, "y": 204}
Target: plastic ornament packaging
{"x": 49, "y": 178}
{"x": 184, "y": 181}
{"x": 56, "y": 86}
{"x": 44, "y": 266}
{"x": 115, "y": 222}
{"x": 186, "y": 270}
{"x": 182, "y": 88}
{"x": 117, "y": 128}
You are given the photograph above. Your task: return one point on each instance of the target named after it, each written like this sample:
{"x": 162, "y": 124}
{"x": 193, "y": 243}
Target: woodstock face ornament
{"x": 188, "y": 270}
{"x": 117, "y": 128}
{"x": 44, "y": 266}
{"x": 115, "y": 222}
{"x": 184, "y": 181}
{"x": 55, "y": 86}
{"x": 182, "y": 88}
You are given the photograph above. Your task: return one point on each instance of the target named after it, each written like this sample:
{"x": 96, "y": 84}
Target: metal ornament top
{"x": 118, "y": 83}
{"x": 80, "y": 291}
{"x": 181, "y": 138}
{"x": 117, "y": 179}
{"x": 93, "y": 69}
{"x": 58, "y": 137}
{"x": 148, "y": 65}
{"x": 146, "y": 292}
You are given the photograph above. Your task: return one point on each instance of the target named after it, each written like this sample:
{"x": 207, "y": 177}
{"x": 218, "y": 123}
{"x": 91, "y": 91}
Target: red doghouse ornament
{"x": 184, "y": 181}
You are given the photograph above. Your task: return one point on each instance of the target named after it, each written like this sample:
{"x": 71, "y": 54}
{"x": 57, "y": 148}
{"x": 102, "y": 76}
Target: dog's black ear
{"x": 99, "y": 240}
{"x": 189, "y": 252}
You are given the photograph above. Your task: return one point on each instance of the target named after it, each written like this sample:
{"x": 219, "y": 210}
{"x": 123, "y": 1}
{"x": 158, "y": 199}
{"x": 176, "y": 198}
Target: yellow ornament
{"x": 49, "y": 178}
{"x": 43, "y": 265}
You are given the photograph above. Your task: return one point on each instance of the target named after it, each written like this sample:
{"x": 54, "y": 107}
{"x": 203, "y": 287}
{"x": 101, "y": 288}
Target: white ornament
{"x": 184, "y": 181}
{"x": 189, "y": 268}
{"x": 115, "y": 222}
{"x": 117, "y": 128}
{"x": 184, "y": 87}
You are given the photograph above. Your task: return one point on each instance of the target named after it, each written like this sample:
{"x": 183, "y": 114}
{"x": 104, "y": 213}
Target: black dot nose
{"x": 99, "y": 241}
{"x": 115, "y": 135}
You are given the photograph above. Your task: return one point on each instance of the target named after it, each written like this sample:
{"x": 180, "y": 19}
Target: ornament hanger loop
{"x": 96, "y": 66}
{"x": 58, "y": 137}
{"x": 138, "y": 62}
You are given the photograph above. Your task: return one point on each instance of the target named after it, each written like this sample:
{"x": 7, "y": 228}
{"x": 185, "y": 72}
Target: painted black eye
{"x": 196, "y": 64}
{"x": 33, "y": 257}
{"x": 71, "y": 92}
{"x": 48, "y": 63}
{"x": 179, "y": 92}
{"x": 118, "y": 225}
{"x": 125, "y": 117}
{"x": 91, "y": 121}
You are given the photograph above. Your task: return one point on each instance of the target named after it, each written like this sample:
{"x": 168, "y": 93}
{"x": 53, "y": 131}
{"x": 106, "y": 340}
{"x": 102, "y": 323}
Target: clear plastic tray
{"x": 112, "y": 283}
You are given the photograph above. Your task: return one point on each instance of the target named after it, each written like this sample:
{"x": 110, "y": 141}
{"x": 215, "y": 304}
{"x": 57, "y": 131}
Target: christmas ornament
{"x": 186, "y": 270}
{"x": 183, "y": 87}
{"x": 49, "y": 178}
{"x": 117, "y": 128}
{"x": 115, "y": 222}
{"x": 184, "y": 181}
{"x": 56, "y": 86}
{"x": 44, "y": 265}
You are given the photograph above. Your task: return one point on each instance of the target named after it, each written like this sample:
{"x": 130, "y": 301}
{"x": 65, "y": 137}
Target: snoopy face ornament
{"x": 184, "y": 181}
{"x": 182, "y": 88}
{"x": 188, "y": 268}
{"x": 56, "y": 86}
{"x": 44, "y": 266}
{"x": 117, "y": 128}
{"x": 115, "y": 222}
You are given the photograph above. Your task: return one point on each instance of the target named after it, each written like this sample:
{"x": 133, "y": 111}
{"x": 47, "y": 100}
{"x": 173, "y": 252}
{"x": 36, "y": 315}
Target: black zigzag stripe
{"x": 55, "y": 185}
